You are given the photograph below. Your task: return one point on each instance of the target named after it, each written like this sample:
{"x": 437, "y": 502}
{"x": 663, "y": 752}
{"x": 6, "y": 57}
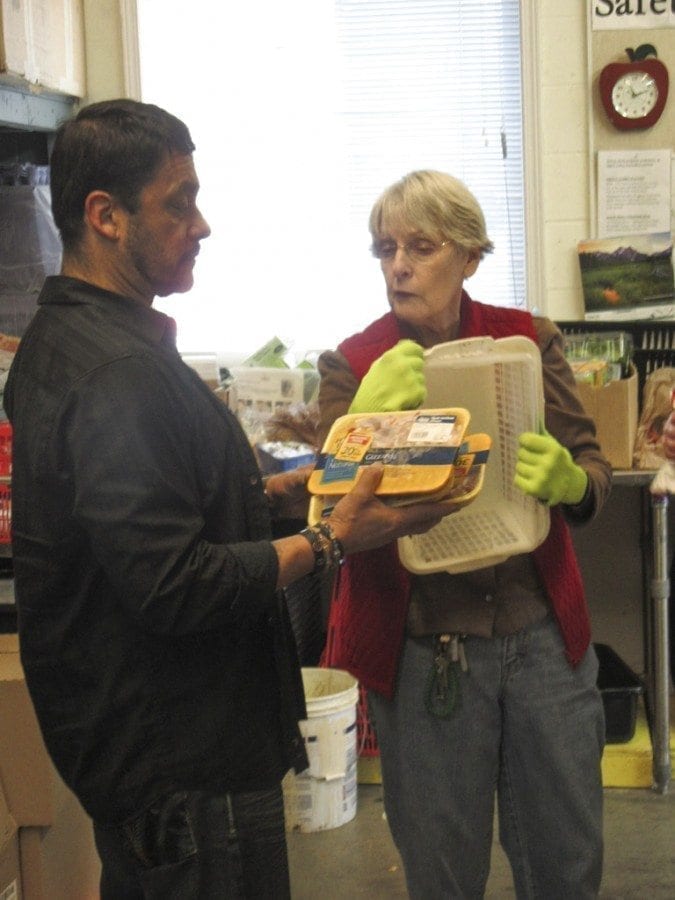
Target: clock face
{"x": 635, "y": 95}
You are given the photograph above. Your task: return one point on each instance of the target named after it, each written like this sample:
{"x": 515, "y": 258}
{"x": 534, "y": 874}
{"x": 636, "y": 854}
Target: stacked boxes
{"x": 52, "y": 833}
{"x": 10, "y": 876}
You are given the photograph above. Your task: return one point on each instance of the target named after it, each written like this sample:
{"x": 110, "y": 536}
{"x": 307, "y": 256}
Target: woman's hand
{"x": 395, "y": 381}
{"x": 287, "y": 493}
{"x": 545, "y": 470}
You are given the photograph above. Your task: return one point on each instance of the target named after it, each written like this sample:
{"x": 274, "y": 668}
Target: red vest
{"x": 370, "y": 598}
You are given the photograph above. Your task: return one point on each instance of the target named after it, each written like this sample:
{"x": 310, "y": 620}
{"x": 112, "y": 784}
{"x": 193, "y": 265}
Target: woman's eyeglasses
{"x": 418, "y": 249}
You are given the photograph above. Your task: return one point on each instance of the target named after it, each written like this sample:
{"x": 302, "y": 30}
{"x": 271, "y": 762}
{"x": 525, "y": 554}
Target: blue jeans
{"x": 198, "y": 846}
{"x": 527, "y": 726}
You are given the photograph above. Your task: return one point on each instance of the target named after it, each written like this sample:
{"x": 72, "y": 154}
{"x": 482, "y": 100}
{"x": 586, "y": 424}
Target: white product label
{"x": 432, "y": 430}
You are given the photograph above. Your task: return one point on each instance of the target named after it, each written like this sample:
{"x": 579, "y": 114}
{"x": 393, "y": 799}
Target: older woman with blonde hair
{"x": 526, "y": 725}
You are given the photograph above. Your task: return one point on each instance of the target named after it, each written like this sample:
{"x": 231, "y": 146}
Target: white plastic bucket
{"x": 324, "y": 796}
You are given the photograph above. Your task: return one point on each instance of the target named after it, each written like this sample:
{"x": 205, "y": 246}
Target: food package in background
{"x": 615, "y": 348}
{"x": 417, "y": 447}
{"x": 656, "y": 407}
{"x": 591, "y": 371}
{"x": 282, "y": 456}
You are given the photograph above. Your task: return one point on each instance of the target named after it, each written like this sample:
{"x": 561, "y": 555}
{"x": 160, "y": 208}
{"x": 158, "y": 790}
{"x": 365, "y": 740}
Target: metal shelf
{"x": 657, "y": 651}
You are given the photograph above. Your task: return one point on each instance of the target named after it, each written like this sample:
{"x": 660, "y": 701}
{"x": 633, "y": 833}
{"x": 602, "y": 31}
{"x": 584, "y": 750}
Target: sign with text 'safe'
{"x": 632, "y": 14}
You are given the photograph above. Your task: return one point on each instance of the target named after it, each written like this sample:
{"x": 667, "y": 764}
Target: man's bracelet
{"x": 328, "y": 551}
{"x": 337, "y": 551}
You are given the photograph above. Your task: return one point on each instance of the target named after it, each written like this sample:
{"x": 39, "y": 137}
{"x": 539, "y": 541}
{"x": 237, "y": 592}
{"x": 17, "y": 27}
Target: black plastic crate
{"x": 8, "y": 622}
{"x": 620, "y": 689}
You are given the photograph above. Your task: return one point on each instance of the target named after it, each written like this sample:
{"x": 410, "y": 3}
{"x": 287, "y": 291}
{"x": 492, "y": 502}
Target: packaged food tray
{"x": 462, "y": 487}
{"x": 500, "y": 383}
{"x": 417, "y": 447}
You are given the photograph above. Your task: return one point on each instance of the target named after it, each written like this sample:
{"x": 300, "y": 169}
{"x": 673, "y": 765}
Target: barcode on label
{"x": 432, "y": 430}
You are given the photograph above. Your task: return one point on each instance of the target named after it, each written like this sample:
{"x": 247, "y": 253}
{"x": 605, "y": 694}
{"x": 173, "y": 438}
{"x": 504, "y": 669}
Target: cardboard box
{"x": 10, "y": 878}
{"x": 58, "y": 859}
{"x": 614, "y": 409}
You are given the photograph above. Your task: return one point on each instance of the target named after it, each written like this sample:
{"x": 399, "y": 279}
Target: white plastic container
{"x": 325, "y": 795}
{"x": 500, "y": 383}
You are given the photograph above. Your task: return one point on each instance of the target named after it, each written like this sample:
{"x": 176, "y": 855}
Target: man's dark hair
{"x": 115, "y": 146}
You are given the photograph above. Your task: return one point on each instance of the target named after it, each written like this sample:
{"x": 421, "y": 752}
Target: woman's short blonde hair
{"x": 437, "y": 205}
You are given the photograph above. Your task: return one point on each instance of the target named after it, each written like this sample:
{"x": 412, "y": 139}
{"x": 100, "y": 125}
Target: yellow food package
{"x": 418, "y": 449}
{"x": 469, "y": 469}
{"x": 468, "y": 474}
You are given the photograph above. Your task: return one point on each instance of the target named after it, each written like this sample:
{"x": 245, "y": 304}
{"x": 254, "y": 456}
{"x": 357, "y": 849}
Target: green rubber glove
{"x": 395, "y": 381}
{"x": 545, "y": 470}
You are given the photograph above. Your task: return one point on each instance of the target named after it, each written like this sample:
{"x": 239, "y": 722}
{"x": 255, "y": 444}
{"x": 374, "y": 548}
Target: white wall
{"x": 563, "y": 131}
{"x": 104, "y": 54}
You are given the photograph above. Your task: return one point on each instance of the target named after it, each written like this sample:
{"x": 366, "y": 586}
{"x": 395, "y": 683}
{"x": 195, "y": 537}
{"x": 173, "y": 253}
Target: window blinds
{"x": 303, "y": 112}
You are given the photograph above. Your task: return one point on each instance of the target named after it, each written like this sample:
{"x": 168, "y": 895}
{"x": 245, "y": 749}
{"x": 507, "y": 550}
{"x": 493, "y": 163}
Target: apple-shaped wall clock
{"x": 634, "y": 93}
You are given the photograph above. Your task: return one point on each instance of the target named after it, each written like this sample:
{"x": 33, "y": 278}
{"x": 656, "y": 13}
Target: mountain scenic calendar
{"x": 628, "y": 277}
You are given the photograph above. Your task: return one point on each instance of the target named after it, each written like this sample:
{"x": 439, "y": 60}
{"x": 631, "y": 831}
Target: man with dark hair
{"x": 111, "y": 146}
{"x": 153, "y": 629}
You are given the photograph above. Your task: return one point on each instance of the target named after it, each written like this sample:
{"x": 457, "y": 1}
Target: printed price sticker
{"x": 354, "y": 447}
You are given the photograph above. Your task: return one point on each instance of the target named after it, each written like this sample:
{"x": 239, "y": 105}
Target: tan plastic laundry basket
{"x": 500, "y": 383}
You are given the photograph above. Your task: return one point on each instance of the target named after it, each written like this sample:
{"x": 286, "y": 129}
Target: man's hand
{"x": 395, "y": 381}
{"x": 545, "y": 470}
{"x": 361, "y": 521}
{"x": 287, "y": 493}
